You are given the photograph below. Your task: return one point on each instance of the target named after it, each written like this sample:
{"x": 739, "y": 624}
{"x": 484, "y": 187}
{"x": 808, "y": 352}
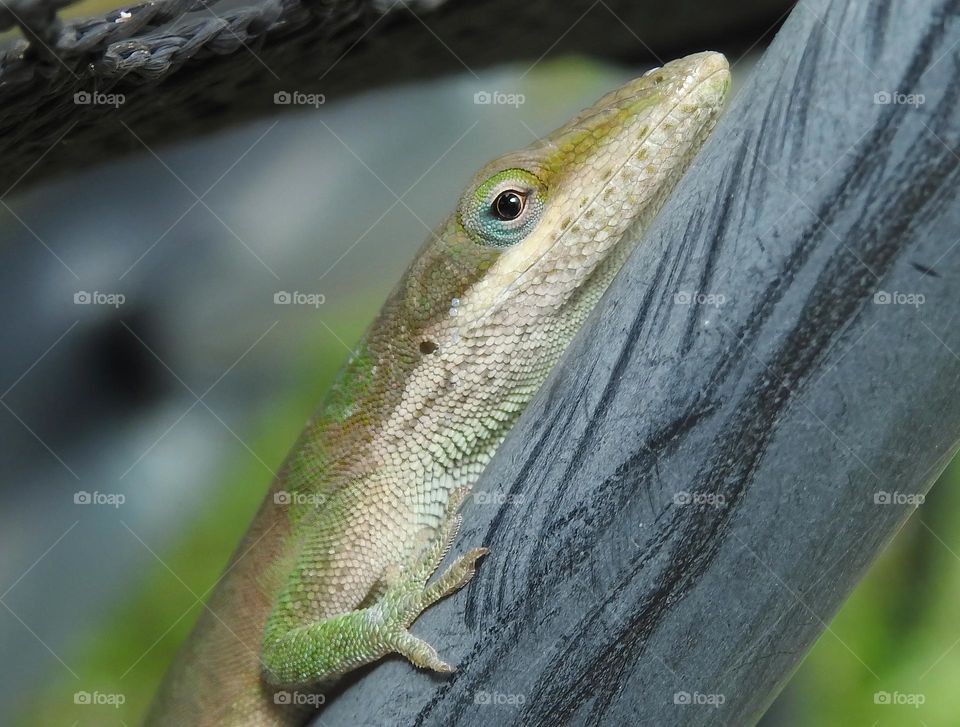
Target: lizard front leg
{"x": 322, "y": 651}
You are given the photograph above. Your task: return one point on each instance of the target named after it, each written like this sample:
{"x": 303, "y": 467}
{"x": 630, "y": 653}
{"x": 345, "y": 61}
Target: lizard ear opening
{"x": 501, "y": 211}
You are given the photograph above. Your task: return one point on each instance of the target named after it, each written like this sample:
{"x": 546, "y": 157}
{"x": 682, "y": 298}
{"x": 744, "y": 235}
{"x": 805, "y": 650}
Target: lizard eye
{"x": 503, "y": 210}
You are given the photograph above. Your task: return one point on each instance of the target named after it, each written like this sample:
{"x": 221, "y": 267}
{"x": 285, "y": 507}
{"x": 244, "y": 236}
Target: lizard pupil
{"x": 508, "y": 205}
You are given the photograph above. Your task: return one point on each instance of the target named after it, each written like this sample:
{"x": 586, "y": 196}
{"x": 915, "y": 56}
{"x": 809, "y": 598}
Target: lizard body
{"x": 335, "y": 567}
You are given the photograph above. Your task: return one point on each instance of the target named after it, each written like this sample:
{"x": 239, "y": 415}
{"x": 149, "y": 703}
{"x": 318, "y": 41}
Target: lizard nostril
{"x": 428, "y": 347}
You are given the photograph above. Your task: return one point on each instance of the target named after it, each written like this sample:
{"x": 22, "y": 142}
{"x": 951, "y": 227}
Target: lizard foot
{"x": 406, "y": 604}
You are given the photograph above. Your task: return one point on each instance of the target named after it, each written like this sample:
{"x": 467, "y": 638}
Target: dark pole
{"x": 743, "y": 424}
{"x": 176, "y": 69}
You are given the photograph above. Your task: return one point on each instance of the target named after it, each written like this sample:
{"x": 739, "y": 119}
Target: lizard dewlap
{"x": 339, "y": 560}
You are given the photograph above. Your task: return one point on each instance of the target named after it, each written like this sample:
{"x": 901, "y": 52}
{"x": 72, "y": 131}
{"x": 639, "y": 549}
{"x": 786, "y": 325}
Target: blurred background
{"x": 177, "y": 315}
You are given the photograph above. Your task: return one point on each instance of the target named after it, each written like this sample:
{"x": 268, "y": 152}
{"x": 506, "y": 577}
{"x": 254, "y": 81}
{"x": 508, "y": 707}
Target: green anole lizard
{"x": 338, "y": 561}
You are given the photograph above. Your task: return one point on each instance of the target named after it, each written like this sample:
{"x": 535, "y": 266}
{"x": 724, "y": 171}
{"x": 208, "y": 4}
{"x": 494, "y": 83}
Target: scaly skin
{"x": 335, "y": 567}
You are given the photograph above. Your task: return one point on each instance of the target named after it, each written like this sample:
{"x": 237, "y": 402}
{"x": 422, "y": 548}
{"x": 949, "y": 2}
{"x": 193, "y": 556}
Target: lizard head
{"x": 604, "y": 163}
{"x": 539, "y": 232}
